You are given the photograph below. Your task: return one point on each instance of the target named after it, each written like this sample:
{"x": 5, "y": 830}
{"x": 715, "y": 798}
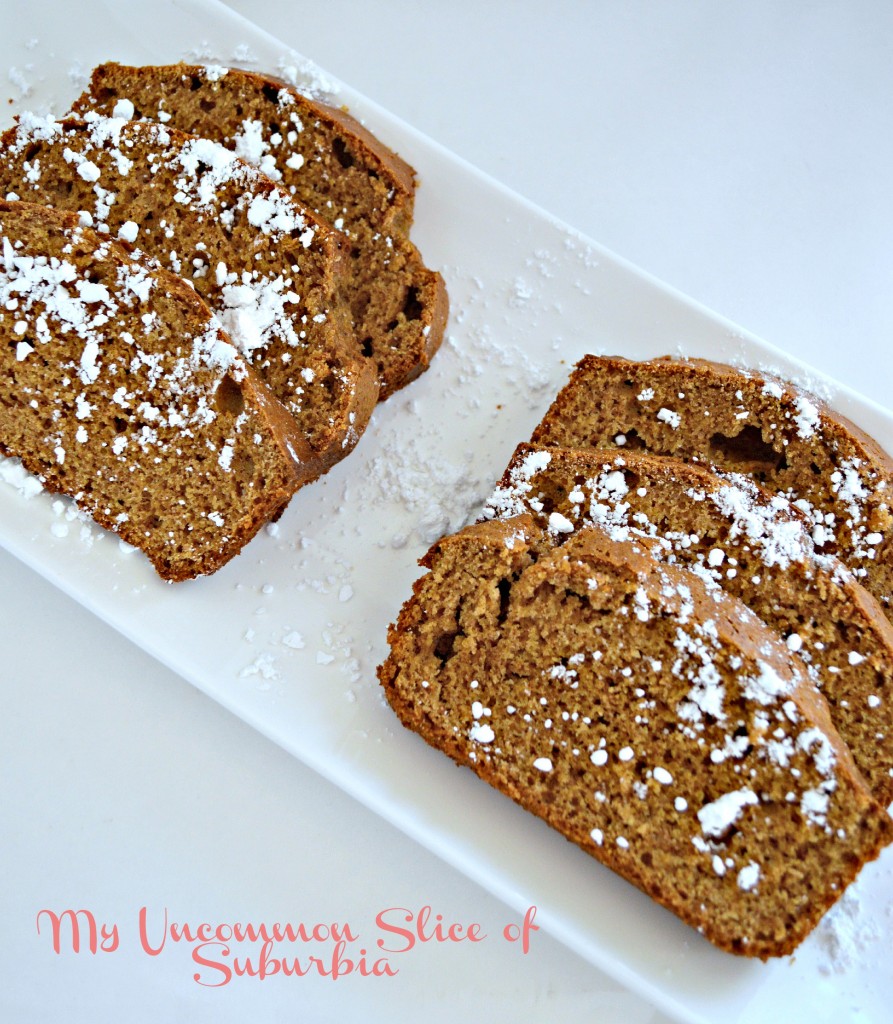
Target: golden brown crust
{"x": 120, "y": 390}
{"x": 329, "y": 162}
{"x": 743, "y": 421}
{"x": 532, "y": 665}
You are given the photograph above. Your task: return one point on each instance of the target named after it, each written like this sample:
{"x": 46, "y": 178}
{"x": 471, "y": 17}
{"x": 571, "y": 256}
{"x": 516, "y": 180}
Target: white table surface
{"x": 740, "y": 151}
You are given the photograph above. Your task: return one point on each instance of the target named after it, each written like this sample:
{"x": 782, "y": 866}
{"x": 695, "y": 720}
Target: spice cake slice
{"x": 737, "y": 536}
{"x": 743, "y": 421}
{"x": 596, "y": 686}
{"x": 332, "y": 164}
{"x": 267, "y": 268}
{"x": 120, "y": 389}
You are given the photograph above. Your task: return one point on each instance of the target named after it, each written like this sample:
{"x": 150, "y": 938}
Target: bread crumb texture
{"x": 651, "y": 719}
{"x": 738, "y": 538}
{"x": 120, "y": 389}
{"x": 285, "y": 215}
{"x": 743, "y": 421}
{"x": 328, "y": 161}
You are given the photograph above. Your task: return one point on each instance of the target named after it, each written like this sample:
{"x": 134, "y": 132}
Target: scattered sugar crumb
{"x": 521, "y": 293}
{"x": 78, "y": 75}
{"x": 17, "y": 77}
{"x": 12, "y": 472}
{"x": 306, "y": 77}
{"x": 244, "y": 56}
{"x": 845, "y": 935}
{"x": 202, "y": 53}
{"x": 263, "y": 666}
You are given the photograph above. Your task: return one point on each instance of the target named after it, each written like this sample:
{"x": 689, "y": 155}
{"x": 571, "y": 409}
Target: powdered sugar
{"x": 670, "y": 417}
{"x": 306, "y": 77}
{"x": 846, "y": 936}
{"x": 256, "y": 299}
{"x": 767, "y": 687}
{"x": 439, "y": 494}
{"x": 717, "y": 817}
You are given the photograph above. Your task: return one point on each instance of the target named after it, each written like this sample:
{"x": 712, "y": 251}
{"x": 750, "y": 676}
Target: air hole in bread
{"x": 504, "y": 586}
{"x": 747, "y": 451}
{"x": 105, "y": 95}
{"x": 243, "y": 467}
{"x": 630, "y": 437}
{"x": 229, "y": 397}
{"x": 207, "y": 104}
{"x": 443, "y": 646}
{"x": 340, "y": 150}
{"x": 549, "y": 504}
{"x": 412, "y": 308}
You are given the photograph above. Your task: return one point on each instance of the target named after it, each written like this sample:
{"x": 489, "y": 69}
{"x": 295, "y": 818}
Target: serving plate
{"x": 288, "y": 635}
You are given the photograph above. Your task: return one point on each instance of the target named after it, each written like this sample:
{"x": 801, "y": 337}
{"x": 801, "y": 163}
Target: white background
{"x": 741, "y": 152}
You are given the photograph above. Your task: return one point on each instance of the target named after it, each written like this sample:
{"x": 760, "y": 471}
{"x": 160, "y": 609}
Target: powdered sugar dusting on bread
{"x": 122, "y": 374}
{"x": 650, "y": 721}
{"x": 776, "y": 431}
{"x": 251, "y": 240}
{"x": 734, "y": 537}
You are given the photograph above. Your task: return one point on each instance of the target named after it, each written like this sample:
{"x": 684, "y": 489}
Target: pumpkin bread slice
{"x": 267, "y": 268}
{"x": 119, "y": 389}
{"x": 742, "y": 421}
{"x": 737, "y": 536}
{"x": 330, "y": 163}
{"x": 658, "y": 725}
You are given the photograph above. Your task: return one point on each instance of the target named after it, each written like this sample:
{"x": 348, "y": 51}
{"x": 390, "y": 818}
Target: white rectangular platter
{"x": 288, "y": 635}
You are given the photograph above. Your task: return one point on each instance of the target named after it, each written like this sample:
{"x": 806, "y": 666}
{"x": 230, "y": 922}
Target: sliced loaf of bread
{"x": 267, "y": 268}
{"x": 119, "y": 389}
{"x": 327, "y": 160}
{"x": 743, "y": 421}
{"x": 750, "y": 543}
{"x": 657, "y": 724}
